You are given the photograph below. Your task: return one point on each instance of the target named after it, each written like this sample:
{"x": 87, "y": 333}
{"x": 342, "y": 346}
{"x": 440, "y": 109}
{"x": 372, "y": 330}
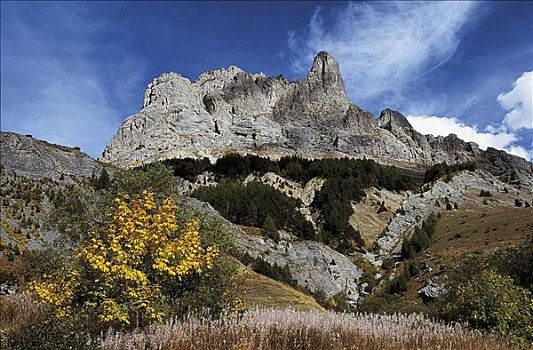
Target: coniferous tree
{"x": 269, "y": 228}
{"x": 103, "y": 182}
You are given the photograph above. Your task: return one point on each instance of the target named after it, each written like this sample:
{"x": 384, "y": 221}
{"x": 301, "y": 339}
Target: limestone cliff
{"x": 229, "y": 110}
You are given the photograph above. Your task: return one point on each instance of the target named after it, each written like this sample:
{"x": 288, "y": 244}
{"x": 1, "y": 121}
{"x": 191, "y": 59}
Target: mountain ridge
{"x": 229, "y": 110}
{"x": 37, "y": 159}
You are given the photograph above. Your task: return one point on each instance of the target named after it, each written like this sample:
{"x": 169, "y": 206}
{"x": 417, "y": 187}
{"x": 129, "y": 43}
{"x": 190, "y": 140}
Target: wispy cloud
{"x": 56, "y": 83}
{"x": 382, "y": 46}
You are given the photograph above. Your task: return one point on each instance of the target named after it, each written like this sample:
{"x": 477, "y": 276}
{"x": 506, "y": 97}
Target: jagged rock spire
{"x": 319, "y": 100}
{"x": 325, "y": 69}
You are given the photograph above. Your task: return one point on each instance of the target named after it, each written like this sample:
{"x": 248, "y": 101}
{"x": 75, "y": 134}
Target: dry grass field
{"x": 264, "y": 292}
{"x": 289, "y": 329}
{"x": 474, "y": 230}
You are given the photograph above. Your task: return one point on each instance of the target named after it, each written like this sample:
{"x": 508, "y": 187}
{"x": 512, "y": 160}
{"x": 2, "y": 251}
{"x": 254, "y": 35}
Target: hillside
{"x": 39, "y": 159}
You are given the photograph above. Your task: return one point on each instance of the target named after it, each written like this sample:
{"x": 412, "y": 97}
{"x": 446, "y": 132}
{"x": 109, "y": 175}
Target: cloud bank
{"x": 518, "y": 104}
{"x": 381, "y": 46}
{"x": 443, "y": 126}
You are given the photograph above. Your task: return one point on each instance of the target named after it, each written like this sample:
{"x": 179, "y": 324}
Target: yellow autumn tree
{"x": 121, "y": 270}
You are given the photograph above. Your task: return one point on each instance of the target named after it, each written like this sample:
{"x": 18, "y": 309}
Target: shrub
{"x": 490, "y": 301}
{"x": 154, "y": 177}
{"x": 276, "y": 272}
{"x": 130, "y": 265}
{"x": 390, "y": 304}
{"x": 387, "y": 264}
{"x": 484, "y": 193}
{"x": 45, "y": 331}
{"x": 420, "y": 239}
{"x": 102, "y": 182}
{"x": 400, "y": 283}
{"x": 75, "y": 210}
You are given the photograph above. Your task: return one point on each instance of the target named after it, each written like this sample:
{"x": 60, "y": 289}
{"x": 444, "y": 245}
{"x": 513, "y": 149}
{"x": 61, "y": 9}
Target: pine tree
{"x": 269, "y": 228}
{"x": 252, "y": 214}
{"x": 103, "y": 182}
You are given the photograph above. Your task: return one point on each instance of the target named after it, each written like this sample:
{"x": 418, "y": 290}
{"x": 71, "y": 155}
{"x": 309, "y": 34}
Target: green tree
{"x": 490, "y": 301}
{"x": 103, "y": 182}
{"x": 269, "y": 228}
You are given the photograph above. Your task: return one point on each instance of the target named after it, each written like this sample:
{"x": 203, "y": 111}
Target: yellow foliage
{"x": 124, "y": 259}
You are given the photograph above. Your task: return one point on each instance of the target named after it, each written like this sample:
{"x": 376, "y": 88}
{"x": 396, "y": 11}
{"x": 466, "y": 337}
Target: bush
{"x": 420, "y": 239}
{"x": 492, "y": 302}
{"x": 154, "y": 177}
{"x": 484, "y": 193}
{"x": 400, "y": 283}
{"x": 45, "y": 331}
{"x": 390, "y": 304}
{"x": 388, "y": 264}
{"x": 102, "y": 182}
{"x": 276, "y": 272}
{"x": 129, "y": 266}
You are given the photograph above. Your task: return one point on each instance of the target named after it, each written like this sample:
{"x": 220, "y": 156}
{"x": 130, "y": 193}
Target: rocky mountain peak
{"x": 391, "y": 119}
{"x": 319, "y": 100}
{"x": 230, "y": 110}
{"x": 326, "y": 70}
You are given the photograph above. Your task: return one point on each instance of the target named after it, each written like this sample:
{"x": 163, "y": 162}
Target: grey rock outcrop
{"x": 36, "y": 159}
{"x": 432, "y": 289}
{"x": 229, "y": 110}
{"x": 312, "y": 265}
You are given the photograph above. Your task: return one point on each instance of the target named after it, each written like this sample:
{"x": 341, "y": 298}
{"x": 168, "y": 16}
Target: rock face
{"x": 229, "y": 110}
{"x": 36, "y": 159}
{"x": 312, "y": 265}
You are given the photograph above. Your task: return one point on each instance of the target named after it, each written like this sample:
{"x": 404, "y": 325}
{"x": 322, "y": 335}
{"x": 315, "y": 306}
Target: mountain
{"x": 229, "y": 110}
{"x": 37, "y": 159}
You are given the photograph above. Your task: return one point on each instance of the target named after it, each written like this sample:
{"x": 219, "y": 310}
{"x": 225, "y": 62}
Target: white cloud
{"x": 443, "y": 126}
{"x": 519, "y": 103}
{"x": 381, "y": 46}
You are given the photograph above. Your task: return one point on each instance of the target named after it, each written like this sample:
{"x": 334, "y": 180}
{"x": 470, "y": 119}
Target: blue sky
{"x": 72, "y": 71}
